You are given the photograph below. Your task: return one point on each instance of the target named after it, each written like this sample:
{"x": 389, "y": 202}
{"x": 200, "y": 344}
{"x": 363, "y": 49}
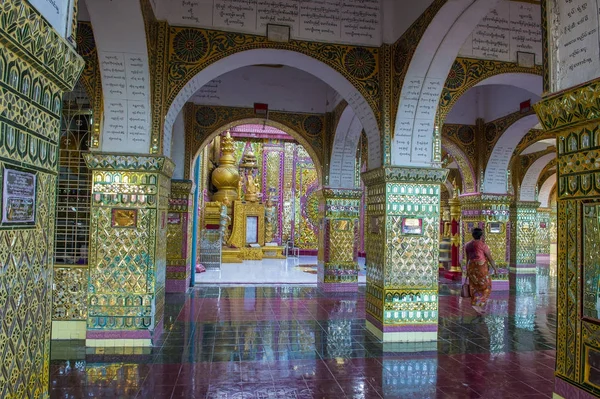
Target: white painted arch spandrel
{"x": 532, "y": 176}
{"x": 428, "y": 70}
{"x": 546, "y": 190}
{"x": 495, "y": 178}
{"x": 343, "y": 156}
{"x": 308, "y": 64}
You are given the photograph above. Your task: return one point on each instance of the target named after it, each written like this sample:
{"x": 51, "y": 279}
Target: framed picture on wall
{"x": 18, "y": 197}
{"x": 412, "y": 226}
{"x": 495, "y": 228}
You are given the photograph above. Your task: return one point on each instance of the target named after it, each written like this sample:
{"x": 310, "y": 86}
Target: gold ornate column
{"x": 574, "y": 115}
{"x": 179, "y": 236}
{"x": 37, "y": 66}
{"x": 542, "y": 237}
{"x": 339, "y": 211}
{"x": 455, "y": 268}
{"x": 523, "y": 222}
{"x": 127, "y": 259}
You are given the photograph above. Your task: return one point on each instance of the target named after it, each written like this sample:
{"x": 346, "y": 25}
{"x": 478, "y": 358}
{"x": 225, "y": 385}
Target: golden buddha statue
{"x": 226, "y": 176}
{"x": 252, "y": 189}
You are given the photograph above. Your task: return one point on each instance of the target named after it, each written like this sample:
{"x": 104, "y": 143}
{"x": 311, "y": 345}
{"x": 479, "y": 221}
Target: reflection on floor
{"x": 300, "y": 270}
{"x": 296, "y": 342}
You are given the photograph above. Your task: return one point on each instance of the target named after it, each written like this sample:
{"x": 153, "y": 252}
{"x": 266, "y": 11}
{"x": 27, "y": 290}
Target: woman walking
{"x": 480, "y": 284}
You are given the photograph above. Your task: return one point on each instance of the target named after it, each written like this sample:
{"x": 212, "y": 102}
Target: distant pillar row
{"x": 179, "y": 236}
{"x": 543, "y": 234}
{"x": 127, "y": 259}
{"x": 338, "y": 239}
{"x": 402, "y": 241}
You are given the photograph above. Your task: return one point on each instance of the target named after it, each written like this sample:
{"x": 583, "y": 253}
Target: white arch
{"x": 528, "y": 81}
{"x": 495, "y": 171}
{"x": 424, "y": 81}
{"x": 450, "y": 188}
{"x": 343, "y": 155}
{"x": 532, "y": 176}
{"x": 120, "y": 38}
{"x": 546, "y": 190}
{"x": 292, "y": 59}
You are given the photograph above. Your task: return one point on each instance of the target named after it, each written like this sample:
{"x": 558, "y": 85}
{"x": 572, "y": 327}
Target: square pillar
{"x": 179, "y": 236}
{"x": 542, "y": 237}
{"x": 523, "y": 225}
{"x": 402, "y": 237}
{"x": 491, "y": 213}
{"x": 127, "y": 257}
{"x": 339, "y": 211}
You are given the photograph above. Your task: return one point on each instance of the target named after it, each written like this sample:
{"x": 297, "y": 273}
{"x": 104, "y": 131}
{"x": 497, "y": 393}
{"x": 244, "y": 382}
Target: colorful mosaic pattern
{"x": 69, "y": 292}
{"x": 573, "y": 116}
{"x": 402, "y": 268}
{"x": 339, "y": 213}
{"x": 486, "y": 211}
{"x": 542, "y": 237}
{"x": 127, "y": 263}
{"x": 36, "y": 66}
{"x": 523, "y": 225}
{"x": 179, "y": 236}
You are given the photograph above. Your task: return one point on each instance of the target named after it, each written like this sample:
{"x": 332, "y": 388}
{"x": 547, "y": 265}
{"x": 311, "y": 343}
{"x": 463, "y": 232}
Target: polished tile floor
{"x": 258, "y": 342}
{"x": 268, "y": 271}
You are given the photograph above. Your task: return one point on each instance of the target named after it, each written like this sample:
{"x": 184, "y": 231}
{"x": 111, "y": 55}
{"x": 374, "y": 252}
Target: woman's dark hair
{"x": 477, "y": 233}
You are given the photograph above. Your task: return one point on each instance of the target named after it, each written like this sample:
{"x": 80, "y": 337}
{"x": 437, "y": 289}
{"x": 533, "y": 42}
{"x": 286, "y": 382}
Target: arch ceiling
{"x": 343, "y": 157}
{"x": 293, "y": 59}
{"x": 529, "y": 184}
{"x": 546, "y": 191}
{"x": 541, "y": 145}
{"x": 495, "y": 177}
{"x": 415, "y": 120}
{"x": 463, "y": 164}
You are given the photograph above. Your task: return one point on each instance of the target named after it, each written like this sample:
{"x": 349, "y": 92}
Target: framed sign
{"x": 18, "y": 197}
{"x": 412, "y": 226}
{"x": 174, "y": 218}
{"x": 251, "y": 229}
{"x": 495, "y": 228}
{"x": 124, "y": 217}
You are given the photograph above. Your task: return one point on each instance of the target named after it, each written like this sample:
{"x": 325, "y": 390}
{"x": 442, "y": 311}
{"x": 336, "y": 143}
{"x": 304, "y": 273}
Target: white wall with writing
{"x": 123, "y": 58}
{"x": 342, "y": 165}
{"x": 178, "y": 147}
{"x": 344, "y": 21}
{"x": 59, "y": 13}
{"x": 495, "y": 178}
{"x": 545, "y": 190}
{"x": 574, "y": 42}
{"x": 283, "y": 88}
{"x": 530, "y": 181}
{"x": 511, "y": 27}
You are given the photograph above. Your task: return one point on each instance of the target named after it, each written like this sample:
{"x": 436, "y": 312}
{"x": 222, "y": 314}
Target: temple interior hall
{"x": 299, "y": 199}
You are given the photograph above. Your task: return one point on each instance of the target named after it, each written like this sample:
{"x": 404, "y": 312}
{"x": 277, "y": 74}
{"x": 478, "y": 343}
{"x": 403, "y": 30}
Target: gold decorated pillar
{"x": 573, "y": 114}
{"x": 523, "y": 250}
{"x": 127, "y": 257}
{"x": 38, "y": 65}
{"x": 179, "y": 236}
{"x": 543, "y": 235}
{"x": 455, "y": 272}
{"x": 402, "y": 237}
{"x": 339, "y": 211}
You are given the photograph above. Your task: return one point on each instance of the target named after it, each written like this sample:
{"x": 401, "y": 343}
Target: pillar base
{"x": 529, "y": 268}
{"x": 402, "y": 333}
{"x": 454, "y": 276}
{"x": 564, "y": 390}
{"x": 337, "y": 287}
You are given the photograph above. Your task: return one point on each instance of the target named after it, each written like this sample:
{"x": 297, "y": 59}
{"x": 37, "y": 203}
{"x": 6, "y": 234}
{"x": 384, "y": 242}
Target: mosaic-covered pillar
{"x": 523, "y": 230}
{"x": 128, "y": 244}
{"x": 489, "y": 212}
{"x": 573, "y": 114}
{"x": 542, "y": 238}
{"x": 402, "y": 237}
{"x": 339, "y": 211}
{"x": 179, "y": 236}
{"x": 37, "y": 65}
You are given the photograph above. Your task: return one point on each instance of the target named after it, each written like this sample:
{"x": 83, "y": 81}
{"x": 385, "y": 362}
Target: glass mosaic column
{"x": 491, "y": 213}
{"x": 402, "y": 241}
{"x": 179, "y": 236}
{"x": 542, "y": 238}
{"x": 523, "y": 230}
{"x": 339, "y": 211}
{"x": 127, "y": 259}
